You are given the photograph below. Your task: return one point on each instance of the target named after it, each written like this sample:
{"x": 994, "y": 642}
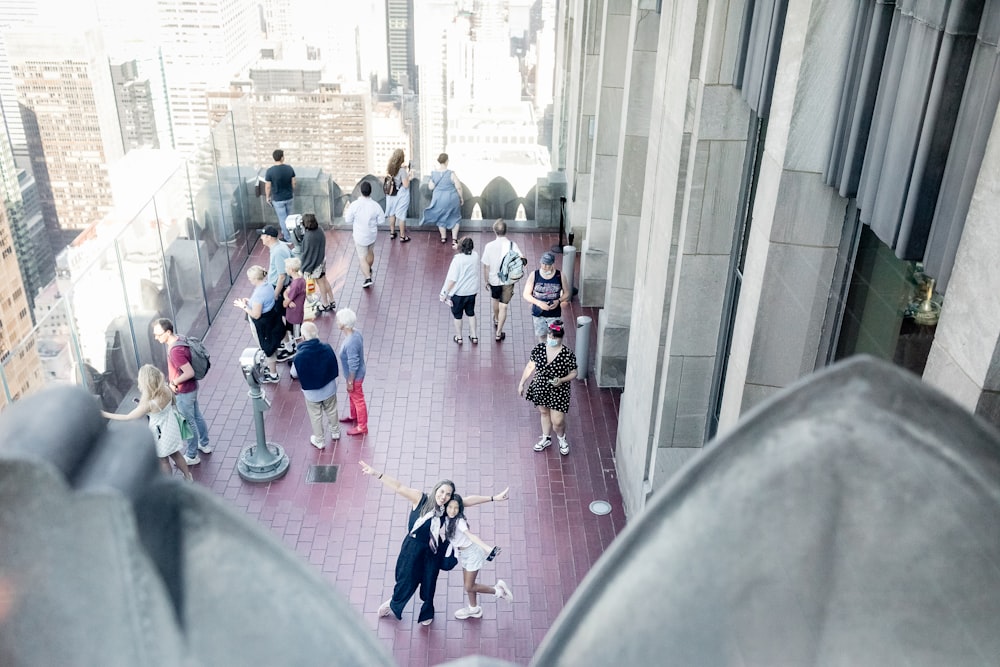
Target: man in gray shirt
{"x": 365, "y": 215}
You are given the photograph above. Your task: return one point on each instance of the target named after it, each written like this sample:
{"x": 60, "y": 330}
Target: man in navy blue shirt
{"x": 279, "y": 184}
{"x": 316, "y": 365}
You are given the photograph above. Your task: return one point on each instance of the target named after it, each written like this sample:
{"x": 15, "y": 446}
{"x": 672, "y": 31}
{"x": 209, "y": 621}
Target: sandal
{"x": 502, "y": 335}
{"x": 444, "y": 240}
{"x": 392, "y": 235}
{"x": 404, "y": 239}
{"x": 457, "y": 339}
{"x": 454, "y": 245}
{"x": 475, "y": 341}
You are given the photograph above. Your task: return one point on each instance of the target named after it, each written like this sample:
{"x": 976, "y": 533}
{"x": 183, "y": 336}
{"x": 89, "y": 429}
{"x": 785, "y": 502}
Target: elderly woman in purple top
{"x": 352, "y": 360}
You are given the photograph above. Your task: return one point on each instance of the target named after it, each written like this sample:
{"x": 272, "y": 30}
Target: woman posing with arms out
{"x": 445, "y": 210}
{"x": 419, "y": 559}
{"x": 461, "y": 287}
{"x": 267, "y": 323}
{"x": 156, "y": 402}
{"x": 472, "y": 554}
{"x": 314, "y": 262}
{"x": 554, "y": 366}
{"x": 397, "y": 205}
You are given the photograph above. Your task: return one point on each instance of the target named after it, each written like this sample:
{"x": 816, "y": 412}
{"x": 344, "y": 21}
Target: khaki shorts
{"x": 502, "y": 293}
{"x": 363, "y": 250}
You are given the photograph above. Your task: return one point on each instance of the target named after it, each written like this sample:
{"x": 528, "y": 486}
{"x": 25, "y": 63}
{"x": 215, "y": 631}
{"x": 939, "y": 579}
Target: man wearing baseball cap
{"x": 546, "y": 290}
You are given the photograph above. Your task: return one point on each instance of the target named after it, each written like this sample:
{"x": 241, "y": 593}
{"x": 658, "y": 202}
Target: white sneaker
{"x": 542, "y": 443}
{"x": 469, "y": 612}
{"x": 385, "y": 609}
{"x": 335, "y": 435}
{"x": 318, "y": 443}
{"x": 427, "y": 622}
{"x": 503, "y": 591}
{"x": 192, "y": 461}
{"x": 563, "y": 446}
{"x": 206, "y": 449}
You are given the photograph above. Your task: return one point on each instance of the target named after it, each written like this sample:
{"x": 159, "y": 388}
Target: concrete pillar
{"x": 582, "y": 23}
{"x": 697, "y": 140}
{"x": 608, "y": 124}
{"x": 964, "y": 361}
{"x": 792, "y": 247}
{"x": 630, "y": 177}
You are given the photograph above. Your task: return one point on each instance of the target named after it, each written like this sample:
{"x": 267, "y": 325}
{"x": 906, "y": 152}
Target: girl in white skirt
{"x": 472, "y": 554}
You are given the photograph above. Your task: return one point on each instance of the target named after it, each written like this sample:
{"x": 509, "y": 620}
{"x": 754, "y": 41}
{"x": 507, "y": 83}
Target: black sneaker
{"x": 367, "y": 283}
{"x": 284, "y": 354}
{"x": 268, "y": 378}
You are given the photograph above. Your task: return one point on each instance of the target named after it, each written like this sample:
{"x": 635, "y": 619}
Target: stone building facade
{"x": 763, "y": 187}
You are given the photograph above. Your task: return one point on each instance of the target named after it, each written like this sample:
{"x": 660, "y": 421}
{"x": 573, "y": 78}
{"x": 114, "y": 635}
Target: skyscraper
{"x": 70, "y": 121}
{"x": 399, "y": 45}
{"x": 134, "y": 96}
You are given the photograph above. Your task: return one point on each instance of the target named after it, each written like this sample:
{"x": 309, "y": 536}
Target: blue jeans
{"x": 282, "y": 209}
{"x": 187, "y": 404}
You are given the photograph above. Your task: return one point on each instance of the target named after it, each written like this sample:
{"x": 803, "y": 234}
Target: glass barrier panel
{"x": 187, "y": 248}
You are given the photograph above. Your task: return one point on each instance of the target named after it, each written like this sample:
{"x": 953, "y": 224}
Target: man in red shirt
{"x": 180, "y": 374}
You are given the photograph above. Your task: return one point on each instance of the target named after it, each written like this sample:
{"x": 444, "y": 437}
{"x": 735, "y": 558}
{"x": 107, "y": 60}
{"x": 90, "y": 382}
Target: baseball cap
{"x": 548, "y": 258}
{"x": 270, "y": 230}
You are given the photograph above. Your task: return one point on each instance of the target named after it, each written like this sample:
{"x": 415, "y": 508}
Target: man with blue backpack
{"x": 503, "y": 265}
{"x": 187, "y": 362}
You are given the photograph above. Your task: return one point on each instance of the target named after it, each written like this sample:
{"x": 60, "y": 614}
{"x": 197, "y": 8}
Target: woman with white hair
{"x": 266, "y": 319}
{"x": 316, "y": 365}
{"x": 352, "y": 360}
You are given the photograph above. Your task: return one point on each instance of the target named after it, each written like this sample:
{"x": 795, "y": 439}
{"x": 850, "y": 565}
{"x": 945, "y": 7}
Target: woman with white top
{"x": 397, "y": 205}
{"x": 472, "y": 554}
{"x": 461, "y": 287}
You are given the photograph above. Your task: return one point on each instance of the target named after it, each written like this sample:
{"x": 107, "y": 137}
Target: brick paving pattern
{"x": 437, "y": 410}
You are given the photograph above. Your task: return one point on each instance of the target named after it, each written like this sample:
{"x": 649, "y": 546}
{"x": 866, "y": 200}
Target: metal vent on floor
{"x": 600, "y": 507}
{"x": 322, "y": 474}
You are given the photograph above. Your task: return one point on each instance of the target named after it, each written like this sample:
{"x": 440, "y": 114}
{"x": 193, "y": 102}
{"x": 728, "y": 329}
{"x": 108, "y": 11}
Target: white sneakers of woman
{"x": 542, "y": 443}
{"x": 503, "y": 591}
{"x": 469, "y": 612}
{"x": 563, "y": 445}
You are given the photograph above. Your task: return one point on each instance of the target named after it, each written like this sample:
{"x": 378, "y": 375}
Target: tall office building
{"x": 204, "y": 44}
{"x": 21, "y": 366}
{"x": 13, "y": 13}
{"x": 134, "y": 97}
{"x": 432, "y": 25}
{"x": 399, "y": 45}
{"x": 315, "y": 122}
{"x": 70, "y": 120}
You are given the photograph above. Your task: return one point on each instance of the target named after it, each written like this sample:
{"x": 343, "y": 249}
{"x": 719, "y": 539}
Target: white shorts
{"x": 472, "y": 558}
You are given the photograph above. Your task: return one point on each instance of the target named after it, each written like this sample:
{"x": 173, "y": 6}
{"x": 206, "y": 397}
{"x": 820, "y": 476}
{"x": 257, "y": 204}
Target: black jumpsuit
{"x": 417, "y": 566}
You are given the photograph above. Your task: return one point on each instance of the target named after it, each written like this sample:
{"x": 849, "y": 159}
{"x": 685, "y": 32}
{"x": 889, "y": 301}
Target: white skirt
{"x": 472, "y": 558}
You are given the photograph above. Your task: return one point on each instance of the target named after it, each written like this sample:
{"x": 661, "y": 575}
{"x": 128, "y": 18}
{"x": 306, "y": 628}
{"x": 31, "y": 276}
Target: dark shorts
{"x": 466, "y": 304}
{"x": 502, "y": 293}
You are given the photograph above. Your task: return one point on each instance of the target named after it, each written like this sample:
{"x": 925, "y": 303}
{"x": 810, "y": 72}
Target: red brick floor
{"x": 437, "y": 411}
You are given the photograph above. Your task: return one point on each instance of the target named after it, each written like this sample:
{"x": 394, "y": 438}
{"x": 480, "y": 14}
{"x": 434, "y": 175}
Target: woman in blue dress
{"x": 445, "y": 210}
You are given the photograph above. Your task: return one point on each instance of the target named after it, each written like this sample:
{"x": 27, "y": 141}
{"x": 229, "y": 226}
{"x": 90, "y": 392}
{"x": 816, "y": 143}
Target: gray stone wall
{"x": 797, "y": 220}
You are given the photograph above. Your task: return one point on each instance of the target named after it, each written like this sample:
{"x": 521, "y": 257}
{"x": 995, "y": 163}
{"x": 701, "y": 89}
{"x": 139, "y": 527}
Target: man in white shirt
{"x": 501, "y": 291}
{"x": 365, "y": 215}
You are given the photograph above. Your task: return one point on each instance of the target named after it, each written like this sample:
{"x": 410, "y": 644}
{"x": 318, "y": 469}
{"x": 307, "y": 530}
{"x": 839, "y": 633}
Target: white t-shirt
{"x": 464, "y": 270}
{"x": 461, "y": 540}
{"x": 493, "y": 254}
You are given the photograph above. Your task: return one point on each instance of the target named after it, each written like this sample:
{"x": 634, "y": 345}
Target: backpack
{"x": 511, "y": 266}
{"x": 389, "y": 186}
{"x": 200, "y": 359}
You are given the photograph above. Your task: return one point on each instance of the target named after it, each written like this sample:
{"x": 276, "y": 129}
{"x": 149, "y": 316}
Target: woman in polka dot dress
{"x": 554, "y": 366}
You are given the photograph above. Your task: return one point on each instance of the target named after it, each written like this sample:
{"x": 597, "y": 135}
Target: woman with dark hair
{"x": 472, "y": 555}
{"x": 314, "y": 262}
{"x": 266, "y": 319}
{"x": 445, "y": 210}
{"x": 461, "y": 287}
{"x": 554, "y": 366}
{"x": 418, "y": 563}
{"x": 397, "y": 205}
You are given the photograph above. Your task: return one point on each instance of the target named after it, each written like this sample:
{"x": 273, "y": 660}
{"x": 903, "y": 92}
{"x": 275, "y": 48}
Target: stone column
{"x": 608, "y": 125}
{"x": 582, "y": 23}
{"x": 797, "y": 219}
{"x": 631, "y": 171}
{"x": 965, "y": 357}
{"x": 697, "y": 141}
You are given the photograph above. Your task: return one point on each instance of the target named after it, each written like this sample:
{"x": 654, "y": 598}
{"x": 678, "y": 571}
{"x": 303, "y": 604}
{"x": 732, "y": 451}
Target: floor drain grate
{"x": 600, "y": 507}
{"x": 322, "y": 474}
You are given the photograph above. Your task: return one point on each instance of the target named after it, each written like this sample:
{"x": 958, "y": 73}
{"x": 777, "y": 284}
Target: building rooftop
{"x": 437, "y": 410}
